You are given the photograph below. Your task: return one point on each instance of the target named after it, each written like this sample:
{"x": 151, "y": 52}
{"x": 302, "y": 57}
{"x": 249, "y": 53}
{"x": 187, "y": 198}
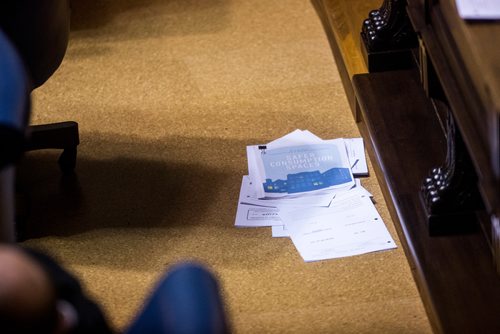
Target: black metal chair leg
{"x": 67, "y": 160}
{"x": 62, "y": 135}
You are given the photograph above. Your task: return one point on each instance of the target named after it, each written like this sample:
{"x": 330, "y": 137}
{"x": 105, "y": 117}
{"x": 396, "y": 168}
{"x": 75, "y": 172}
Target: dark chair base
{"x": 62, "y": 135}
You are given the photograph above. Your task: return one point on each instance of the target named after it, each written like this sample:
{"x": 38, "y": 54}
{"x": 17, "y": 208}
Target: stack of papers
{"x": 304, "y": 188}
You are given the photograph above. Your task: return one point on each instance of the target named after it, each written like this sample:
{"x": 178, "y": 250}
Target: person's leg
{"x": 14, "y": 112}
{"x": 187, "y": 300}
{"x": 27, "y": 297}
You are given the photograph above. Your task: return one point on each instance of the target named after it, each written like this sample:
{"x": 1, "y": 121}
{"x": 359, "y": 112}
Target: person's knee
{"x": 186, "y": 300}
{"x": 27, "y": 296}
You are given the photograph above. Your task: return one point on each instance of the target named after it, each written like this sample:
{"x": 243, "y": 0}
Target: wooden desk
{"x": 434, "y": 117}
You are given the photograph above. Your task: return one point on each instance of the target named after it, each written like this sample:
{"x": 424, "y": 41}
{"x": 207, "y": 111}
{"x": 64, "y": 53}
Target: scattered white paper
{"x": 479, "y": 9}
{"x": 351, "y": 227}
{"x": 247, "y": 196}
{"x": 336, "y": 204}
{"x": 326, "y": 222}
{"x": 248, "y": 215}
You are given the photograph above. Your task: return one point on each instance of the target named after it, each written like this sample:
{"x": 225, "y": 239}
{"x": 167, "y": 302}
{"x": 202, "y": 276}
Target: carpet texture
{"x": 168, "y": 94}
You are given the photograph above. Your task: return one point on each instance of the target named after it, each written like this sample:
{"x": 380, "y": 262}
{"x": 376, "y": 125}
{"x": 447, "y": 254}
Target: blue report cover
{"x": 304, "y": 168}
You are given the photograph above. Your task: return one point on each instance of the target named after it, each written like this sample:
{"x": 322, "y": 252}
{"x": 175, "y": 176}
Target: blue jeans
{"x": 187, "y": 300}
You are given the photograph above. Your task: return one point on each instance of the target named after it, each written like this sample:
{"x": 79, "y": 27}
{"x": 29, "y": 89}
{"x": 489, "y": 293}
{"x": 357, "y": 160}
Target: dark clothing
{"x": 90, "y": 317}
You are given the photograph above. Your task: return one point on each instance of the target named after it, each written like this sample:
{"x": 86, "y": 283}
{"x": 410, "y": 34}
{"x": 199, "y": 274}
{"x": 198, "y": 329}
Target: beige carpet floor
{"x": 167, "y": 94}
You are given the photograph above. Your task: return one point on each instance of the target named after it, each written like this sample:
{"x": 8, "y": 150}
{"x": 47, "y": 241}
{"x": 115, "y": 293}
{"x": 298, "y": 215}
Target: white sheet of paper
{"x": 253, "y": 212}
{"x": 248, "y": 215}
{"x": 297, "y": 137}
{"x": 279, "y": 231}
{"x": 479, "y": 9}
{"x": 356, "y": 153}
{"x": 350, "y": 227}
{"x": 336, "y": 204}
{"x": 256, "y": 216}
{"x": 315, "y": 200}
{"x": 358, "y": 188}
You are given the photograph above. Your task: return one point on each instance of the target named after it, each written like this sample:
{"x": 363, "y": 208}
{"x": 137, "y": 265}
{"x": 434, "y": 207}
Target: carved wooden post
{"x": 387, "y": 37}
{"x": 450, "y": 194}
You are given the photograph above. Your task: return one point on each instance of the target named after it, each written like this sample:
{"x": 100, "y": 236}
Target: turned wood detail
{"x": 388, "y": 28}
{"x": 451, "y": 188}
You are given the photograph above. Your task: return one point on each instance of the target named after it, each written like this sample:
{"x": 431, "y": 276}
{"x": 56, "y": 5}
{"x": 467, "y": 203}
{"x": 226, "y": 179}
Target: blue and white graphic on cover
{"x": 303, "y": 168}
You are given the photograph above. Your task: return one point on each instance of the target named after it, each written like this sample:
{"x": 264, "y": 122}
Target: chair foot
{"x": 67, "y": 160}
{"x": 63, "y": 136}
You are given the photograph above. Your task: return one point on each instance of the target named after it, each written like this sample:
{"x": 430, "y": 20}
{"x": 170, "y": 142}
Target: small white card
{"x": 479, "y": 9}
{"x": 279, "y": 231}
{"x": 356, "y": 153}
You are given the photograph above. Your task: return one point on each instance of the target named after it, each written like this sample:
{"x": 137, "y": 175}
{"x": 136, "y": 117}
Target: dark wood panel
{"x": 461, "y": 53}
{"x": 477, "y": 42}
{"x": 455, "y": 275}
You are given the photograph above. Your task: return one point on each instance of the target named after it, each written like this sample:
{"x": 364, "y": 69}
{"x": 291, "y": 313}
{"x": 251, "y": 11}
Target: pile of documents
{"x": 304, "y": 188}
